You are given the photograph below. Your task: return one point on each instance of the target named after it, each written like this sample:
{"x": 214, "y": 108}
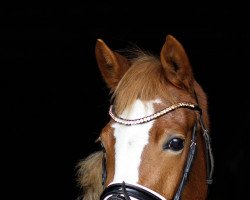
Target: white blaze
{"x": 130, "y": 142}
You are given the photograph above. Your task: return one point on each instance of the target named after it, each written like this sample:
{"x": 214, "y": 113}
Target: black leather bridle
{"x": 123, "y": 191}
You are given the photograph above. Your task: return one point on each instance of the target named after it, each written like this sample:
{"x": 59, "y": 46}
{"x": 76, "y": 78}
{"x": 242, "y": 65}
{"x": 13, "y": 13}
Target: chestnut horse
{"x": 156, "y": 145}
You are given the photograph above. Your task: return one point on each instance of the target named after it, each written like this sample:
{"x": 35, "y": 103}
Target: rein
{"x": 123, "y": 191}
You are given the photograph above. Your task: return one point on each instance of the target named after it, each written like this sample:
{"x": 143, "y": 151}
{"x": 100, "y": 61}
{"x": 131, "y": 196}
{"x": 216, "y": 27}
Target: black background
{"x": 54, "y": 101}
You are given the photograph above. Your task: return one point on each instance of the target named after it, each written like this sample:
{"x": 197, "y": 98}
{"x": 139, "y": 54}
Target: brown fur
{"x": 146, "y": 77}
{"x": 144, "y": 80}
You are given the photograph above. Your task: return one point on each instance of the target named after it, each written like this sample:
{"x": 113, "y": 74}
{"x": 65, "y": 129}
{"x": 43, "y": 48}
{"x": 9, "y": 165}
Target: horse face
{"x": 151, "y": 154}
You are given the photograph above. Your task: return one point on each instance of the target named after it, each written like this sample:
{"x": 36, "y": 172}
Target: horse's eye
{"x": 174, "y": 144}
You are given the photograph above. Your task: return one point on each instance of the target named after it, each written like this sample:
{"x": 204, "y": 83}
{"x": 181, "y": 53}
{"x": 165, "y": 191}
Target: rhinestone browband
{"x": 148, "y": 118}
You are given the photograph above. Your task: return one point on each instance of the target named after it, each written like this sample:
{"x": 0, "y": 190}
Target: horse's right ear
{"x": 111, "y": 64}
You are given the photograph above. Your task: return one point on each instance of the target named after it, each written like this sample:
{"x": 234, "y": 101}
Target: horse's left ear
{"x": 176, "y": 64}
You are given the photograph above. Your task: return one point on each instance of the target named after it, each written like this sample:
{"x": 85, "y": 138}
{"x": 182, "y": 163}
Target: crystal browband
{"x": 148, "y": 118}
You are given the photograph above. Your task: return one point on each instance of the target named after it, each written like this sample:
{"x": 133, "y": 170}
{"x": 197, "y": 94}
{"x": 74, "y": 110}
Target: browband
{"x": 148, "y": 118}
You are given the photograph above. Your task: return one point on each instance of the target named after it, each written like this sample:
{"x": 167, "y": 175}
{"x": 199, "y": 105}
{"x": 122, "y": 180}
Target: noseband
{"x": 123, "y": 191}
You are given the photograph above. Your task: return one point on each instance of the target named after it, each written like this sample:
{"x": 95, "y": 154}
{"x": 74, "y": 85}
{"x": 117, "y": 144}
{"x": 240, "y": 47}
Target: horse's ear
{"x": 111, "y": 64}
{"x": 176, "y": 64}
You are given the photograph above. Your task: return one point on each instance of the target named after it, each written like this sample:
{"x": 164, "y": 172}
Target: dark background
{"x": 54, "y": 101}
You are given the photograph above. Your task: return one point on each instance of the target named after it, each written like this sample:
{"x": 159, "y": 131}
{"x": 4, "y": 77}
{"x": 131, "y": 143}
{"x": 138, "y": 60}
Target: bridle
{"x": 123, "y": 191}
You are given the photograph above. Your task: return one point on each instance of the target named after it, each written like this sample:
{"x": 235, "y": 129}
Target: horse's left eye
{"x": 175, "y": 144}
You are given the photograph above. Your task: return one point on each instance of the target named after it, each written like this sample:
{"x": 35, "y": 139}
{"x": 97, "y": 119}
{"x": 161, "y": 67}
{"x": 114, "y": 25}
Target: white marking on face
{"x": 130, "y": 142}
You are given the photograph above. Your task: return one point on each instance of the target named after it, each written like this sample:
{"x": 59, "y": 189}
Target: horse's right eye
{"x": 174, "y": 144}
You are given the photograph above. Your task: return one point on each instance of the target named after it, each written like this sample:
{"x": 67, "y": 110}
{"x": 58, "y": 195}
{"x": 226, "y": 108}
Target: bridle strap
{"x": 130, "y": 122}
{"x": 209, "y": 153}
{"x": 191, "y": 154}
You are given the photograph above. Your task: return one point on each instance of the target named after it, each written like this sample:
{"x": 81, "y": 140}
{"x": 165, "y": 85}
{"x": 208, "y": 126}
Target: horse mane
{"x": 144, "y": 80}
{"x": 89, "y": 176}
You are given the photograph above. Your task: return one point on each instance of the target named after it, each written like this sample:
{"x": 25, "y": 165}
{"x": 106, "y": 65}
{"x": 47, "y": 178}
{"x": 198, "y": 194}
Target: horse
{"x": 157, "y": 143}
